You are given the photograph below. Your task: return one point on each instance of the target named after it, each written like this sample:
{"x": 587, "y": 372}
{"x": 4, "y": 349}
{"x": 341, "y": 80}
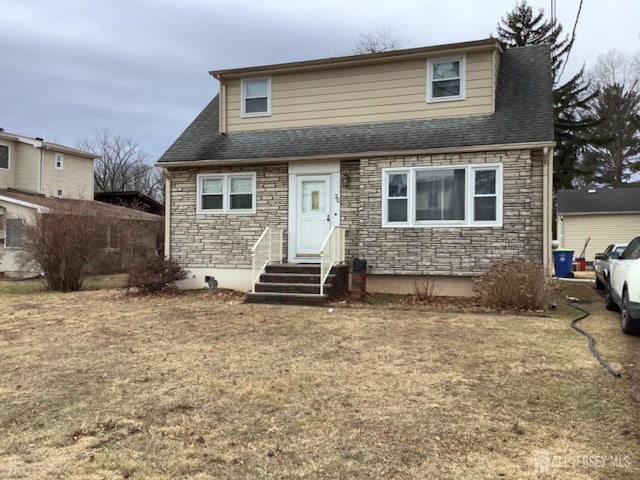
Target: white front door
{"x": 313, "y": 215}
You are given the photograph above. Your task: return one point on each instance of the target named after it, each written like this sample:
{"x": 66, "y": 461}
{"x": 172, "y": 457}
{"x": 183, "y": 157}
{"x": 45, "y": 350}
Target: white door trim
{"x": 297, "y": 169}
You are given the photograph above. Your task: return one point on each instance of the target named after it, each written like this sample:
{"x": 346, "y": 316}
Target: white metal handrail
{"x": 331, "y": 253}
{"x": 267, "y": 249}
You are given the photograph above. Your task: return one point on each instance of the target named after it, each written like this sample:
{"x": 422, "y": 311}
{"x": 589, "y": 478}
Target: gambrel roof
{"x": 523, "y": 115}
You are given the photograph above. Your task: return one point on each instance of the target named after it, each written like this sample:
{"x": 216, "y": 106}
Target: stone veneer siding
{"x": 350, "y": 209}
{"x": 463, "y": 251}
{"x": 225, "y": 240}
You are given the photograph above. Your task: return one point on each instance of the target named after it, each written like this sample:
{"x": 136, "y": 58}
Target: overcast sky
{"x": 140, "y": 67}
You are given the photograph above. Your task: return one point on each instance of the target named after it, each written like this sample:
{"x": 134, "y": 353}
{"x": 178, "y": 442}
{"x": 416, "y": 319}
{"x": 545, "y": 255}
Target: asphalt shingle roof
{"x": 90, "y": 206}
{"x": 601, "y": 200}
{"x": 524, "y": 113}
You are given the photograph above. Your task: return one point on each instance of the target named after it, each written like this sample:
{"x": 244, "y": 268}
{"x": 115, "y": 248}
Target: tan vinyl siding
{"x": 75, "y": 179}
{"x": 603, "y": 230}
{"x": 27, "y": 167}
{"x": 8, "y": 176}
{"x": 371, "y": 93}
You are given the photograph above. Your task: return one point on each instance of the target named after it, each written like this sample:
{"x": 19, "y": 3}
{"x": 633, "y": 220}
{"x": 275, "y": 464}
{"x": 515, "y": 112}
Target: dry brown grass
{"x": 99, "y": 385}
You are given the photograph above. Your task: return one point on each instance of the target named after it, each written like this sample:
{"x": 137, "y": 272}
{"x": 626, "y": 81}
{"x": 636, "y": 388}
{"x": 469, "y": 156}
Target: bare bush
{"x": 155, "y": 274}
{"x": 425, "y": 290}
{"x": 63, "y": 242}
{"x": 517, "y": 283}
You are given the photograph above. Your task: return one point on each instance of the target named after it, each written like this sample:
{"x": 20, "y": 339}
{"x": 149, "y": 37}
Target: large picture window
{"x": 446, "y": 79}
{"x": 467, "y": 195}
{"x": 227, "y": 193}
{"x": 256, "y": 97}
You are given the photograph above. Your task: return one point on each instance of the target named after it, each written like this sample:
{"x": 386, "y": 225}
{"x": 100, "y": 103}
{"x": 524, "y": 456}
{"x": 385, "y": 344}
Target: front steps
{"x": 299, "y": 284}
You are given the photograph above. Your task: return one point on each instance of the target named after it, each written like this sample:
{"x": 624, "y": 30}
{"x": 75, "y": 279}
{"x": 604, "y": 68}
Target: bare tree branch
{"x": 377, "y": 42}
{"x": 123, "y": 165}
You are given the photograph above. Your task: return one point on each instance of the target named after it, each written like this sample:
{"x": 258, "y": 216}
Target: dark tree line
{"x": 596, "y": 120}
{"x": 123, "y": 165}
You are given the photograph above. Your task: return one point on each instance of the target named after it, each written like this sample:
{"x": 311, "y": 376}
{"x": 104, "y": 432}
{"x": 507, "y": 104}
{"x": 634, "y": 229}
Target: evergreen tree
{"x": 614, "y": 152}
{"x": 572, "y": 99}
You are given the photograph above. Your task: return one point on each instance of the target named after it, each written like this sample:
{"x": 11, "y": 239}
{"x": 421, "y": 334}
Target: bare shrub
{"x": 425, "y": 290}
{"x": 63, "y": 241}
{"x": 155, "y": 274}
{"x": 517, "y": 283}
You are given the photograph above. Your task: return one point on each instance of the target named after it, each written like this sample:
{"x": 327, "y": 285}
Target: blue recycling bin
{"x": 563, "y": 260}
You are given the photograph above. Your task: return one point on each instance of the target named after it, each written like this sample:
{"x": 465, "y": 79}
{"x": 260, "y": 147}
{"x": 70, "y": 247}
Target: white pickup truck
{"x": 623, "y": 286}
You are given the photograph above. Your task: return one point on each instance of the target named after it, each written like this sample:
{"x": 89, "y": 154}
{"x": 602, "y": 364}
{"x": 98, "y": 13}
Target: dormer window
{"x": 256, "y": 97}
{"x": 446, "y": 79}
{"x": 59, "y": 161}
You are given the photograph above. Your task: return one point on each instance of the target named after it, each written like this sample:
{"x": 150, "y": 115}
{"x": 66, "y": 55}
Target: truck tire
{"x": 628, "y": 324}
{"x": 609, "y": 304}
{"x": 599, "y": 284}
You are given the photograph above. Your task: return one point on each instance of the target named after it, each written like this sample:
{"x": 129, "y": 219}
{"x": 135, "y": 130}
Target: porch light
{"x": 345, "y": 180}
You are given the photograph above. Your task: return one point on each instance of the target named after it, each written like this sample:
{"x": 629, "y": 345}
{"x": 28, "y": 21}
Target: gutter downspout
{"x": 547, "y": 207}
{"x": 167, "y": 214}
{"x": 40, "y": 175}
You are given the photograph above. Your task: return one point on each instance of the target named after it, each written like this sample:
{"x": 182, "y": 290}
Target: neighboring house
{"x": 605, "y": 215}
{"x": 131, "y": 199}
{"x": 128, "y": 233}
{"x": 35, "y": 176}
{"x": 33, "y": 165}
{"x": 435, "y": 161}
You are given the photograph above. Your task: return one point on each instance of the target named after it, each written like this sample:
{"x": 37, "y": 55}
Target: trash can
{"x": 563, "y": 261}
{"x": 582, "y": 264}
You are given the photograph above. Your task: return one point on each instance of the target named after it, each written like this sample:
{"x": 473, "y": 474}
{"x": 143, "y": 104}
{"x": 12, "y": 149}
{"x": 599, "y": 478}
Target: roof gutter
{"x": 354, "y": 156}
{"x": 371, "y": 58}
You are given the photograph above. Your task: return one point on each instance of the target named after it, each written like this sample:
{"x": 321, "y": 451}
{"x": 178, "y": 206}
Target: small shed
{"x": 606, "y": 215}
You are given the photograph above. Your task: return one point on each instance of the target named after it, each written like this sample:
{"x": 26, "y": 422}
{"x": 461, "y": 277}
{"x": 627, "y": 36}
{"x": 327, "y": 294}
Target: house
{"x": 131, "y": 199}
{"x": 603, "y": 215}
{"x": 425, "y": 163}
{"x": 47, "y": 168}
{"x": 37, "y": 176}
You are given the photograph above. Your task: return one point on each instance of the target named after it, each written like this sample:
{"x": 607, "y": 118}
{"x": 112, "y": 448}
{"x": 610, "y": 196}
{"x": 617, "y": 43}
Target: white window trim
{"x": 245, "y": 114}
{"x": 55, "y": 161}
{"x": 469, "y": 196}
{"x": 463, "y": 76}
{"x": 8, "y": 156}
{"x": 226, "y": 193}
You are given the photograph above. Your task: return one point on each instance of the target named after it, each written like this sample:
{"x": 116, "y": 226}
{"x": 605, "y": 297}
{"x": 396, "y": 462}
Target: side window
{"x": 226, "y": 193}
{"x": 13, "y": 233}
{"x": 4, "y": 156}
{"x": 59, "y": 161}
{"x": 632, "y": 252}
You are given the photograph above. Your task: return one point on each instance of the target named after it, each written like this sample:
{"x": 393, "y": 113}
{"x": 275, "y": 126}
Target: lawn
{"x": 100, "y": 385}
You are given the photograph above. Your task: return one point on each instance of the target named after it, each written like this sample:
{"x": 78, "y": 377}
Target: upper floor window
{"x": 4, "y": 156}
{"x": 59, "y": 161}
{"x": 227, "y": 193}
{"x": 256, "y": 97}
{"x": 446, "y": 79}
{"x": 466, "y": 195}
